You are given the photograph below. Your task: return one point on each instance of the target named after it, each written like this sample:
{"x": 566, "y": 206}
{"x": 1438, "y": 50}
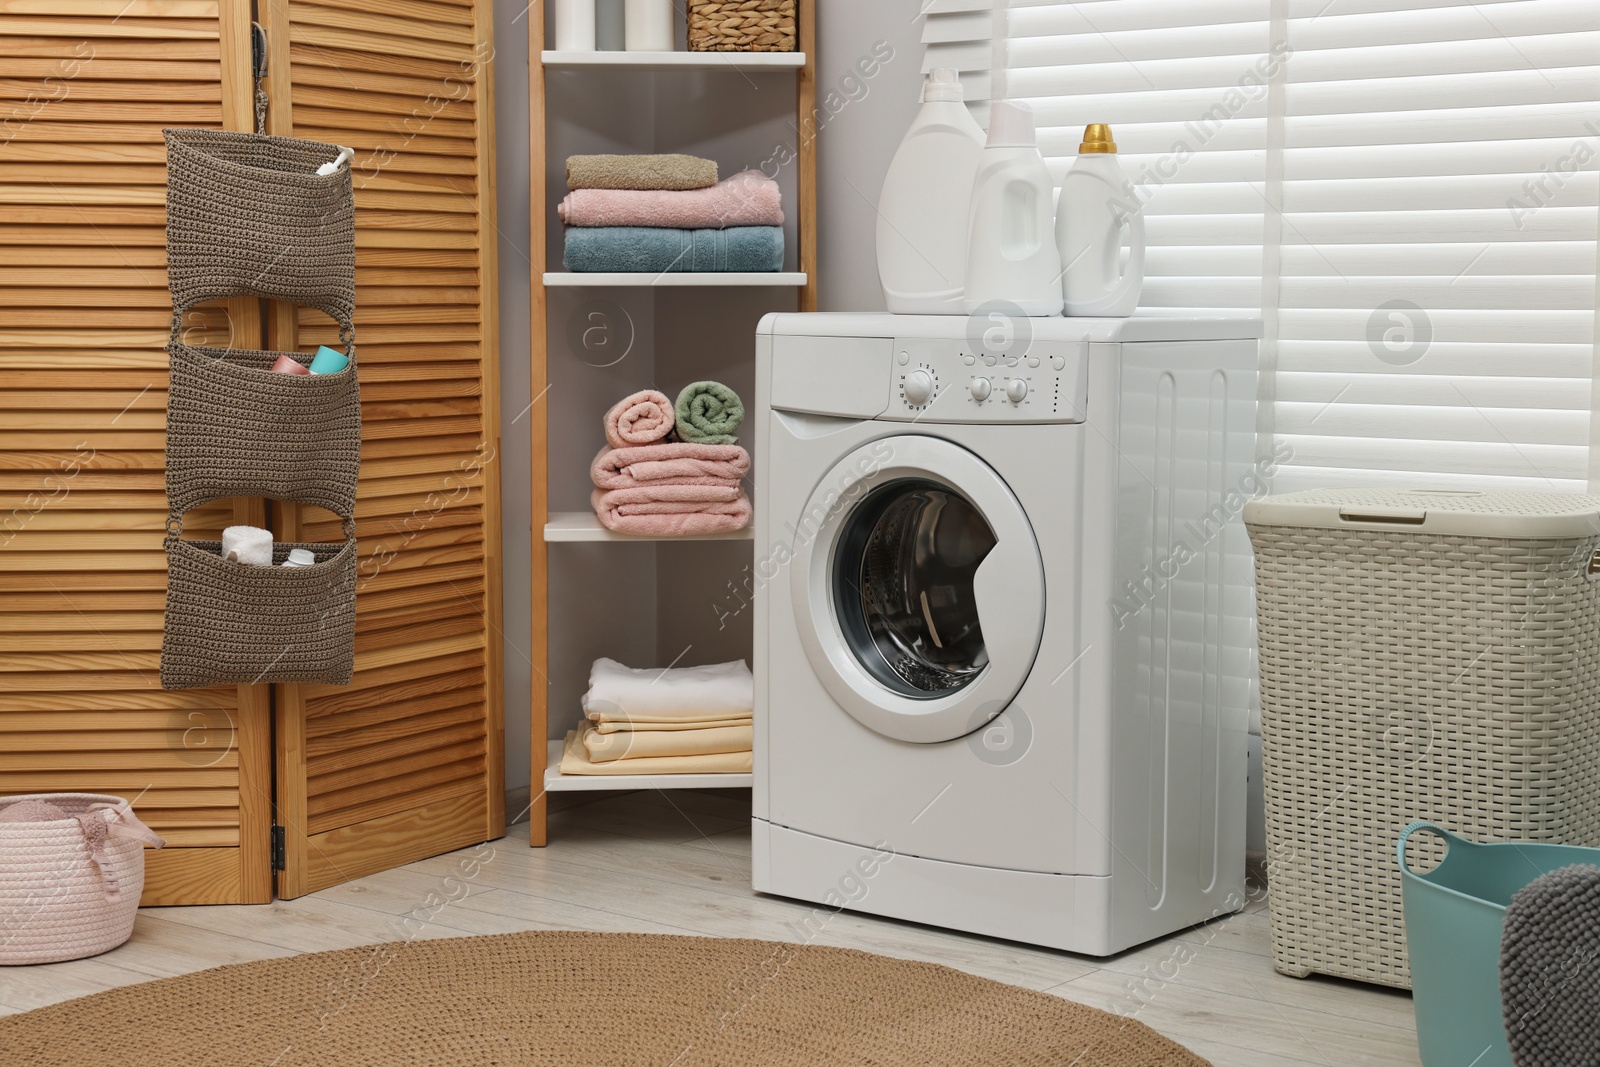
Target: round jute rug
{"x": 581, "y": 1000}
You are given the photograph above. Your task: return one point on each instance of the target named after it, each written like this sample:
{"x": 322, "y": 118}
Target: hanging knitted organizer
{"x": 250, "y": 215}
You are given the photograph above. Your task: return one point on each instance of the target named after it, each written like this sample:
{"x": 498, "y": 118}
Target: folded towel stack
{"x": 682, "y": 720}
{"x": 669, "y": 215}
{"x": 649, "y": 485}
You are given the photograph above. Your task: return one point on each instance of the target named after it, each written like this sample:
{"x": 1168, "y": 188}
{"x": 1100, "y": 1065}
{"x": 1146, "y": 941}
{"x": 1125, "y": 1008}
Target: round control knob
{"x": 919, "y": 387}
{"x": 981, "y": 389}
{"x": 1016, "y": 390}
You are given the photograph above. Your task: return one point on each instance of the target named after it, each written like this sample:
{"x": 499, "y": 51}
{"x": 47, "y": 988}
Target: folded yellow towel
{"x": 575, "y": 761}
{"x": 617, "y": 726}
{"x": 644, "y": 744}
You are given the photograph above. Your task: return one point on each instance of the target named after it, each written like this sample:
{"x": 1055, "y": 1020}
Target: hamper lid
{"x": 1463, "y": 512}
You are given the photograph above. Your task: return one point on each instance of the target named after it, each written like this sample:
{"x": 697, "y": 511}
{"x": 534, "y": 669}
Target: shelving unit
{"x": 735, "y": 89}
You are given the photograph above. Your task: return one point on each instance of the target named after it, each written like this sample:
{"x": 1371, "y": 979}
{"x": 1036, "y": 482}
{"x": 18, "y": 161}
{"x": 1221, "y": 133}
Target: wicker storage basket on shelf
{"x": 69, "y": 887}
{"x": 742, "y": 26}
{"x": 1423, "y": 655}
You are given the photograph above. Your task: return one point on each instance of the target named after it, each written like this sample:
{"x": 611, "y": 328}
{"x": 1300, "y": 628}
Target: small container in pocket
{"x": 236, "y": 428}
{"x": 232, "y": 624}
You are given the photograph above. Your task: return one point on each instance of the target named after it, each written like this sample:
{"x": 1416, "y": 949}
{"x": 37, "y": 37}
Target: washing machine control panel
{"x": 947, "y": 380}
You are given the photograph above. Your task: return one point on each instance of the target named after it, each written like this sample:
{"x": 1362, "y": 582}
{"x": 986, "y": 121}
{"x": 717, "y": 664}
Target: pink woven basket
{"x": 70, "y": 887}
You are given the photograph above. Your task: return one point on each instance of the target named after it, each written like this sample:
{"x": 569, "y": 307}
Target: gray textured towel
{"x": 1550, "y": 969}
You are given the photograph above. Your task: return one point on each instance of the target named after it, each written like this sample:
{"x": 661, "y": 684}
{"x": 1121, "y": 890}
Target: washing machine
{"x": 1003, "y": 621}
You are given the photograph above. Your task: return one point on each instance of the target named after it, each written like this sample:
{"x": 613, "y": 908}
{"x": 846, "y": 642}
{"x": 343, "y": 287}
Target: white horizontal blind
{"x": 960, "y": 35}
{"x": 1412, "y": 206}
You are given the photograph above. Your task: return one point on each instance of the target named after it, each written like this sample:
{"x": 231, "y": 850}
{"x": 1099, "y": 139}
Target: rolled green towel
{"x": 676, "y": 172}
{"x": 709, "y": 413}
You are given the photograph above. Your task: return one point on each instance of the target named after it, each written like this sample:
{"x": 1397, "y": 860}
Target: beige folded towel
{"x": 574, "y": 760}
{"x": 617, "y": 726}
{"x": 640, "y": 172}
{"x": 646, "y": 744}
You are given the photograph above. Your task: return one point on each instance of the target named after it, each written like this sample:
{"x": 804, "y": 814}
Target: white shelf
{"x": 578, "y": 280}
{"x": 740, "y": 61}
{"x": 556, "y": 782}
{"x": 584, "y": 526}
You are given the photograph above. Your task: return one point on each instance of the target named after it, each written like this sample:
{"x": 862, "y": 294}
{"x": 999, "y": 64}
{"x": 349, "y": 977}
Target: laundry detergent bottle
{"x": 1011, "y": 253}
{"x": 1099, "y": 212}
{"x": 926, "y": 200}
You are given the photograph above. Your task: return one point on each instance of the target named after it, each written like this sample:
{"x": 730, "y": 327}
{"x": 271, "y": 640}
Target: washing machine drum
{"x": 920, "y": 600}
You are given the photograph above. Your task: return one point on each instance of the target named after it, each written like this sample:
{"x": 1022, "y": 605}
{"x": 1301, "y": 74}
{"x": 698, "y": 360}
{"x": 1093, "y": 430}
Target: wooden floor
{"x": 680, "y": 863}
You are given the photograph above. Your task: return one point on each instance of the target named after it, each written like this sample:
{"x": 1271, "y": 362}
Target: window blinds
{"x": 1405, "y": 190}
{"x": 960, "y": 35}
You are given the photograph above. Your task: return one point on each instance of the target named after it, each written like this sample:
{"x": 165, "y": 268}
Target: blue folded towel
{"x": 621, "y": 249}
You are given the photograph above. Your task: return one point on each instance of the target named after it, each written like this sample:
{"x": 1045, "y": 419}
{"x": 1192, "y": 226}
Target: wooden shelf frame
{"x": 539, "y": 215}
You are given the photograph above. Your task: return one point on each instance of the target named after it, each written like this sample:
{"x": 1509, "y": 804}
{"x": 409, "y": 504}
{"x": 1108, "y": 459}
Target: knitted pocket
{"x": 236, "y": 428}
{"x": 232, "y": 623}
{"x": 249, "y": 214}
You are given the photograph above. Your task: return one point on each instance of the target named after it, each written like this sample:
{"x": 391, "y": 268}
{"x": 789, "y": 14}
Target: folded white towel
{"x": 721, "y": 690}
{"x": 247, "y": 544}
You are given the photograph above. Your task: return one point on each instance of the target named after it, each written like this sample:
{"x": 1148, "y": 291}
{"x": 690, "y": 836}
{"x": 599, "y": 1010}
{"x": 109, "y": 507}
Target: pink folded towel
{"x": 672, "y": 510}
{"x": 642, "y": 419}
{"x": 749, "y": 198}
{"x": 678, "y": 463}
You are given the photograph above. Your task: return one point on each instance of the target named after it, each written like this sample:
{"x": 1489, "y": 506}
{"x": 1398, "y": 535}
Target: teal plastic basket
{"x": 1454, "y": 916}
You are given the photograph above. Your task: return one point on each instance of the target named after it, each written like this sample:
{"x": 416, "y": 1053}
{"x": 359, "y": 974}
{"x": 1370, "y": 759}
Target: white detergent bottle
{"x": 923, "y": 211}
{"x": 1011, "y": 256}
{"x": 1098, "y": 208}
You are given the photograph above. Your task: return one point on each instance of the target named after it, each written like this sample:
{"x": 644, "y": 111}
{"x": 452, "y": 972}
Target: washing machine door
{"x": 918, "y": 588}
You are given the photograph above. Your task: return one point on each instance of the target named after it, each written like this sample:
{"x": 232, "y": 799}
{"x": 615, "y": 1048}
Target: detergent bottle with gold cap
{"x": 1098, "y": 217}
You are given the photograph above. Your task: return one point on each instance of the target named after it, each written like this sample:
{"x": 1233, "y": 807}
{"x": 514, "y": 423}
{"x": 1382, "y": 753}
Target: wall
{"x": 511, "y": 166}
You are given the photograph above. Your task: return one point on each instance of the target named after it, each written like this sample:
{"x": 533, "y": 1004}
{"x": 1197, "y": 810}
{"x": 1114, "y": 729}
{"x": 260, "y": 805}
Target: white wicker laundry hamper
{"x": 1423, "y": 655}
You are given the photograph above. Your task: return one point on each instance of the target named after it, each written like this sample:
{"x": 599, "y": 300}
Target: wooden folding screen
{"x": 406, "y": 761}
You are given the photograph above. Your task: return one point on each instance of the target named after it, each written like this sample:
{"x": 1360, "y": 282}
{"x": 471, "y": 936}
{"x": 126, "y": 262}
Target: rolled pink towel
{"x": 678, "y": 463}
{"x": 749, "y": 198}
{"x": 672, "y": 510}
{"x": 641, "y": 419}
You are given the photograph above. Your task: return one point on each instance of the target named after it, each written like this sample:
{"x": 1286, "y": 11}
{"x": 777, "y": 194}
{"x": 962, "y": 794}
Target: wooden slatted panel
{"x": 85, "y": 88}
{"x": 418, "y": 731}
